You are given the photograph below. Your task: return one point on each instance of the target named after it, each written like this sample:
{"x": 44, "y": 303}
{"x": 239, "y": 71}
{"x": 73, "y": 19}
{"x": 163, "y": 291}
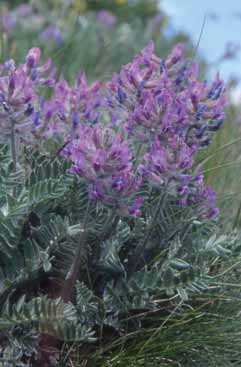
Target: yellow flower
{"x": 121, "y": 2}
{"x": 80, "y": 6}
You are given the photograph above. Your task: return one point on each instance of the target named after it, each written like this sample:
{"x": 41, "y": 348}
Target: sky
{"x": 222, "y": 25}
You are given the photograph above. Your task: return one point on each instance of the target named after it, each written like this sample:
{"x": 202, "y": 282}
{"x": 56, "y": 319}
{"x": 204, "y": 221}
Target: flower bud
{"x": 33, "y": 57}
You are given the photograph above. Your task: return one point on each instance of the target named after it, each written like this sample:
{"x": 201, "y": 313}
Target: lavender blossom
{"x": 104, "y": 159}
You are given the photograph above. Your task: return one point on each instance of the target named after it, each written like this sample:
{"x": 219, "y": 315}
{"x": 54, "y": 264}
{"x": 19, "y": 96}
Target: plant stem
{"x": 136, "y": 258}
{"x": 109, "y": 227}
{"x": 80, "y": 256}
{"x": 13, "y": 143}
{"x": 158, "y": 207}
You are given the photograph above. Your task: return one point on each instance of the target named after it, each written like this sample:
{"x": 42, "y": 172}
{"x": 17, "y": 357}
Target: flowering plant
{"x": 103, "y": 204}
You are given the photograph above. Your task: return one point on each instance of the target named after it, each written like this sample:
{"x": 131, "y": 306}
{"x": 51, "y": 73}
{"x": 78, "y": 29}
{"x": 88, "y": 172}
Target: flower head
{"x": 104, "y": 159}
{"x": 20, "y": 94}
{"x": 71, "y": 106}
{"x": 164, "y": 105}
{"x": 151, "y": 96}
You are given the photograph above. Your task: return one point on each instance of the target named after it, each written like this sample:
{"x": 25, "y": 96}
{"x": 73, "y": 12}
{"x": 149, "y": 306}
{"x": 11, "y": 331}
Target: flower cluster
{"x": 104, "y": 159}
{"x": 153, "y": 96}
{"x": 20, "y": 91}
{"x": 70, "y": 106}
{"x": 23, "y": 101}
{"x": 145, "y": 125}
{"x": 163, "y": 105}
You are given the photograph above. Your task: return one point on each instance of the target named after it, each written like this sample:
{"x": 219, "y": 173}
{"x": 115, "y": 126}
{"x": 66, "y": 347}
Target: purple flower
{"x": 103, "y": 158}
{"x": 159, "y": 104}
{"x": 98, "y": 153}
{"x": 163, "y": 105}
{"x": 185, "y": 157}
{"x": 95, "y": 192}
{"x": 156, "y": 22}
{"x": 175, "y": 55}
{"x": 210, "y": 196}
{"x": 106, "y": 18}
{"x": 10, "y": 64}
{"x": 134, "y": 208}
{"x": 23, "y": 10}
{"x": 192, "y": 191}
{"x": 52, "y": 33}
{"x": 231, "y": 51}
{"x": 149, "y": 101}
{"x": 73, "y": 106}
{"x": 33, "y": 57}
{"x": 20, "y": 95}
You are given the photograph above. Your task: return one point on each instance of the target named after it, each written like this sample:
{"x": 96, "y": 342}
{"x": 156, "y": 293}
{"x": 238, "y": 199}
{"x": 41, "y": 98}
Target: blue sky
{"x": 223, "y": 24}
